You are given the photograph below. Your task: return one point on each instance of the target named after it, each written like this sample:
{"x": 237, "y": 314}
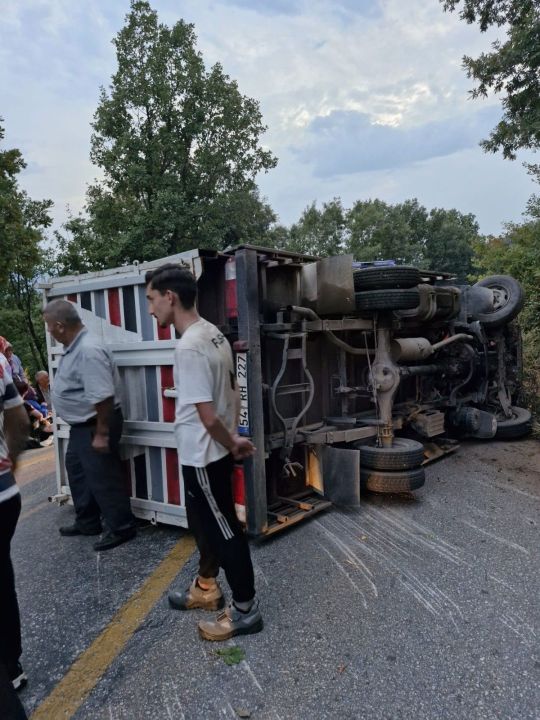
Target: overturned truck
{"x": 351, "y": 375}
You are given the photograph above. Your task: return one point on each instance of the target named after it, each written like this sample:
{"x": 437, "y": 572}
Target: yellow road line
{"x": 87, "y": 670}
{"x": 41, "y": 458}
{"x": 35, "y": 509}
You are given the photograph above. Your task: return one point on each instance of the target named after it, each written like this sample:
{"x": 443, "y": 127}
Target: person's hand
{"x": 242, "y": 447}
{"x": 100, "y": 442}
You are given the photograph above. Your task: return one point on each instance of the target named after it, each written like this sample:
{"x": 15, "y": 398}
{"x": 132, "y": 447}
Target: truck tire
{"x": 510, "y": 299}
{"x": 404, "y": 454}
{"x": 379, "y": 278}
{"x": 519, "y": 425}
{"x": 387, "y": 299}
{"x": 388, "y": 481}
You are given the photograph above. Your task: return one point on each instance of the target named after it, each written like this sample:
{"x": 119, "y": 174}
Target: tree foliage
{"x": 22, "y": 222}
{"x": 450, "y": 239}
{"x": 178, "y": 146}
{"x": 319, "y": 232}
{"x": 512, "y": 68}
{"x": 380, "y": 231}
{"x": 374, "y": 230}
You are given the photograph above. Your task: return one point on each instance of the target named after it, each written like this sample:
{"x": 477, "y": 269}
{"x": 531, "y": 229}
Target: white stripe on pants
{"x": 204, "y": 482}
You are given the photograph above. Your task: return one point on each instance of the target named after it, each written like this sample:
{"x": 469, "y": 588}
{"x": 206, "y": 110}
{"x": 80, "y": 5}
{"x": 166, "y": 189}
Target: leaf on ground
{"x": 231, "y": 655}
{"x": 242, "y": 713}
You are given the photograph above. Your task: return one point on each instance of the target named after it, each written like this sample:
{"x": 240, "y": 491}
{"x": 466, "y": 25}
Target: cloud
{"x": 347, "y": 142}
{"x": 469, "y": 180}
{"x": 362, "y": 98}
{"x": 297, "y": 7}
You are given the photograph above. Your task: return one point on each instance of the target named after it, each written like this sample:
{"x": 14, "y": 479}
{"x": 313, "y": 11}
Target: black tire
{"x": 389, "y": 481}
{"x": 519, "y": 425}
{"x": 387, "y": 299}
{"x": 380, "y": 278}
{"x": 404, "y": 454}
{"x": 510, "y": 299}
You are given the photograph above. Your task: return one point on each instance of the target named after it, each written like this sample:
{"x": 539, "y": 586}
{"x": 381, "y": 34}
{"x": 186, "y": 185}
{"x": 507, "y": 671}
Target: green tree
{"x": 375, "y": 230}
{"x": 22, "y": 223}
{"x": 179, "y": 150}
{"x": 379, "y": 231}
{"x": 450, "y": 239}
{"x": 319, "y": 232}
{"x": 512, "y": 69}
{"x": 11, "y": 216}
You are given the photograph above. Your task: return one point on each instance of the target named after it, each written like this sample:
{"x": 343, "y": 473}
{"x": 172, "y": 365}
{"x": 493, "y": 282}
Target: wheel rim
{"x": 501, "y": 296}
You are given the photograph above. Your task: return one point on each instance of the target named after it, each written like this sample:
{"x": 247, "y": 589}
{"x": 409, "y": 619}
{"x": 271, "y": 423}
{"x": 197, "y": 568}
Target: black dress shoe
{"x": 71, "y": 530}
{"x": 111, "y": 540}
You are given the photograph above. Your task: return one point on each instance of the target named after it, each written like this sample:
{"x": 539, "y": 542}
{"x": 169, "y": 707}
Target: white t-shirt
{"x": 203, "y": 372}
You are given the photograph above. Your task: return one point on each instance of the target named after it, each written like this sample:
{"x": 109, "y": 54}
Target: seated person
{"x": 39, "y": 414}
{"x": 43, "y": 388}
{"x": 31, "y": 398}
{"x": 17, "y": 370}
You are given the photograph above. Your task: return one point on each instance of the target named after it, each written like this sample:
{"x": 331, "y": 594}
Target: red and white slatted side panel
{"x": 151, "y": 473}
{"x": 173, "y": 482}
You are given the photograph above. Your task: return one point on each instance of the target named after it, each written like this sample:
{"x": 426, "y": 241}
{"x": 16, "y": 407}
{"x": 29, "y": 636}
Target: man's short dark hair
{"x": 175, "y": 278}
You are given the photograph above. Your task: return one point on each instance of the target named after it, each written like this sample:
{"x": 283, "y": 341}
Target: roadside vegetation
{"x": 178, "y": 148}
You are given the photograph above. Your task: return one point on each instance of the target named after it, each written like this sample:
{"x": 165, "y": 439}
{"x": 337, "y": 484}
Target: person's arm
{"x": 16, "y": 427}
{"x": 98, "y": 379}
{"x": 104, "y": 412}
{"x": 35, "y": 413}
{"x": 240, "y": 447}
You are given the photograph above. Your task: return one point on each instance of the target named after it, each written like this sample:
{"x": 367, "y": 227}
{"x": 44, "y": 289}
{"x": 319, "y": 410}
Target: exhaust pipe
{"x": 410, "y": 349}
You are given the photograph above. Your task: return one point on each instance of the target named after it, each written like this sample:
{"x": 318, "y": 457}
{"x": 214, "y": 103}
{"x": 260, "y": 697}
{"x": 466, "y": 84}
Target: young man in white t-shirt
{"x": 207, "y": 407}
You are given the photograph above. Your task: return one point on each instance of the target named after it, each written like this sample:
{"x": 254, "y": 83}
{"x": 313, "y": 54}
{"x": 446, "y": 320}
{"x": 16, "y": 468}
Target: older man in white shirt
{"x": 86, "y": 395}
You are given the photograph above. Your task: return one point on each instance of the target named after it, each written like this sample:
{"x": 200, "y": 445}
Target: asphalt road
{"x": 421, "y": 607}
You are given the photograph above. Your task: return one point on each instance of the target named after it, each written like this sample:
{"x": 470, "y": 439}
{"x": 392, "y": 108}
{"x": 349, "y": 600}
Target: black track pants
{"x": 10, "y": 624}
{"x": 218, "y": 532}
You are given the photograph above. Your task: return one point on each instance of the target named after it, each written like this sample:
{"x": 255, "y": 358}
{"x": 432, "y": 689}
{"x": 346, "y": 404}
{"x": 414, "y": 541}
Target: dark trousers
{"x": 10, "y": 706}
{"x": 95, "y": 479}
{"x": 218, "y": 533}
{"x": 10, "y": 624}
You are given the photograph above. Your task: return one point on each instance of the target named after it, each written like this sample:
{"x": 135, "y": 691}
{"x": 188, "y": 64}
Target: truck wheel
{"x": 387, "y": 299}
{"x": 404, "y": 454}
{"x": 519, "y": 425}
{"x": 389, "y": 481}
{"x": 379, "y": 278}
{"x": 509, "y": 299}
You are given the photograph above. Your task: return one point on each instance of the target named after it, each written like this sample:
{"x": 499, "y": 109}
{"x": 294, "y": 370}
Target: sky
{"x": 363, "y": 99}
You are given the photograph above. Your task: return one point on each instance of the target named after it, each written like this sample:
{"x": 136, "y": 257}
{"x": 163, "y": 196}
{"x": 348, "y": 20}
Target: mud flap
{"x": 341, "y": 473}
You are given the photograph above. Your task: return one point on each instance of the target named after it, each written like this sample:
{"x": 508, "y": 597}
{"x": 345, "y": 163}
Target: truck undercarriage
{"x": 352, "y": 375}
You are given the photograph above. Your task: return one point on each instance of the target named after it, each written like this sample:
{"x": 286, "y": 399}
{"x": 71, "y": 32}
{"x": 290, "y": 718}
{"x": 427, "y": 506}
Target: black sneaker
{"x": 18, "y": 676}
{"x": 111, "y": 540}
{"x": 72, "y": 530}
